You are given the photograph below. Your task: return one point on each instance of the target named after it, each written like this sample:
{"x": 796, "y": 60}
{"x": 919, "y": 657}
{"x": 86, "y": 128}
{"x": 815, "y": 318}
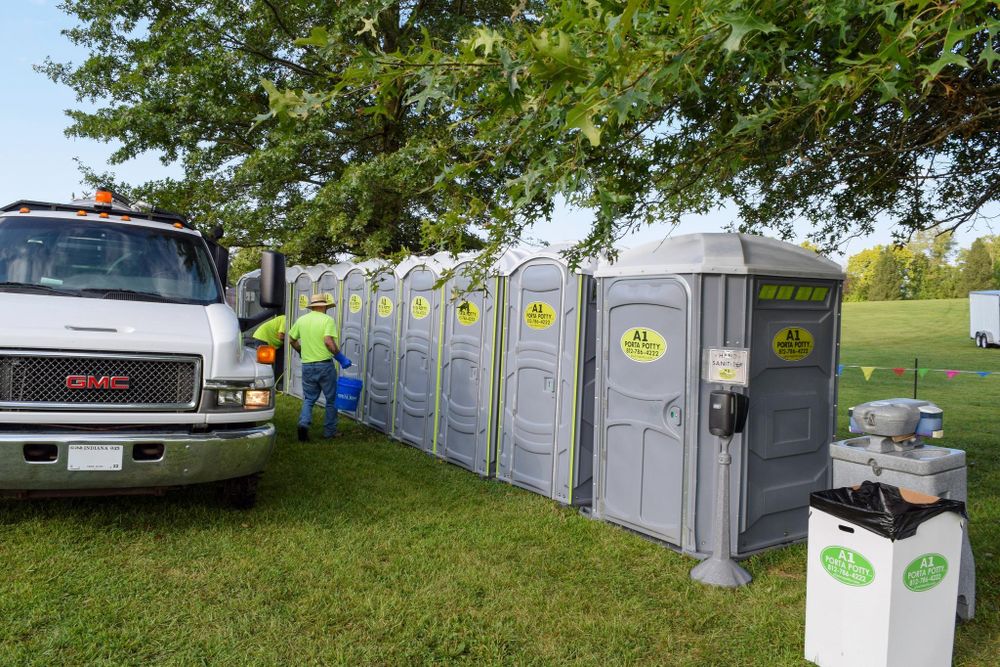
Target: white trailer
{"x": 984, "y": 317}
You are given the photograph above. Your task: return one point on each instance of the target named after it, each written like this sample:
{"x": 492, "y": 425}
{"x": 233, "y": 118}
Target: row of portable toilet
{"x": 590, "y": 385}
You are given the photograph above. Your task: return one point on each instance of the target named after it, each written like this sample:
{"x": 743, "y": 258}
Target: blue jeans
{"x": 319, "y": 376}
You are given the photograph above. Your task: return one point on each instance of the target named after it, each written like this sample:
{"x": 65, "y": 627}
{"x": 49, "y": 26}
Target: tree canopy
{"x": 190, "y": 79}
{"x": 834, "y": 112}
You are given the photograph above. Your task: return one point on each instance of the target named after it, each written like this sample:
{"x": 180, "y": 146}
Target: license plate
{"x": 95, "y": 457}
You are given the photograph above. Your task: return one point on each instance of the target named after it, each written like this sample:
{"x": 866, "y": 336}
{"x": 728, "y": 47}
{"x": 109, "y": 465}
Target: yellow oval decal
{"x": 539, "y": 315}
{"x": 467, "y": 313}
{"x": 793, "y": 343}
{"x": 384, "y": 306}
{"x": 643, "y": 345}
{"x": 420, "y": 307}
{"x": 303, "y": 302}
{"x": 354, "y": 303}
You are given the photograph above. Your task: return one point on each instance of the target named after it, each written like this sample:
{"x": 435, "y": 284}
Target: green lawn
{"x": 369, "y": 552}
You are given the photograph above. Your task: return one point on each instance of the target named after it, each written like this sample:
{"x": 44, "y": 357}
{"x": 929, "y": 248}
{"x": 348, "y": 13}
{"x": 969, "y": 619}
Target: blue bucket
{"x": 348, "y": 392}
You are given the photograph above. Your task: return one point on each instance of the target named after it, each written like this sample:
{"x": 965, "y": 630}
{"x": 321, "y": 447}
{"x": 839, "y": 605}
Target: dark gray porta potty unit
{"x": 300, "y": 289}
{"x": 546, "y": 389}
{"x": 380, "y": 345}
{"x": 352, "y": 303}
{"x": 680, "y": 318}
{"x": 248, "y": 294}
{"x": 470, "y": 366}
{"x": 420, "y": 318}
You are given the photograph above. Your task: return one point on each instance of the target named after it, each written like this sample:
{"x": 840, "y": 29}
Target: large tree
{"x": 837, "y": 112}
{"x": 188, "y": 78}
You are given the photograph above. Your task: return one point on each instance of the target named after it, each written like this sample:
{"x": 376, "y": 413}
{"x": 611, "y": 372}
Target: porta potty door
{"x": 416, "y": 361}
{"x": 794, "y": 328}
{"x": 300, "y": 291}
{"x": 381, "y": 348}
{"x": 248, "y": 295}
{"x": 641, "y": 387}
{"x": 353, "y": 301}
{"x": 543, "y": 372}
{"x": 468, "y": 363}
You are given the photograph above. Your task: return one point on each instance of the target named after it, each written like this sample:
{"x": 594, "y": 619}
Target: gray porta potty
{"x": 420, "y": 320}
{"x": 352, "y": 303}
{"x": 470, "y": 366}
{"x": 546, "y": 386}
{"x": 300, "y": 287}
{"x": 380, "y": 344}
{"x": 661, "y": 308}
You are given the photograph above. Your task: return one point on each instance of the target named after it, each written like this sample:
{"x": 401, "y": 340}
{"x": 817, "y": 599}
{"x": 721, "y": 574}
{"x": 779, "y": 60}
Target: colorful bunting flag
{"x": 922, "y": 372}
{"x": 951, "y": 374}
{"x": 868, "y": 370}
{"x": 840, "y": 369}
{"x": 983, "y": 374}
{"x": 899, "y": 372}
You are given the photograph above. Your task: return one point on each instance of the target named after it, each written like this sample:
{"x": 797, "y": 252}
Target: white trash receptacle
{"x": 882, "y": 577}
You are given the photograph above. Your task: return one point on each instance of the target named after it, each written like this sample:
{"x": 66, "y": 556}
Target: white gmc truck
{"x": 122, "y": 369}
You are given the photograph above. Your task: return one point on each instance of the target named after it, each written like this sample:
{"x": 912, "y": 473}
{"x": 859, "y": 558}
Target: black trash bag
{"x": 881, "y": 508}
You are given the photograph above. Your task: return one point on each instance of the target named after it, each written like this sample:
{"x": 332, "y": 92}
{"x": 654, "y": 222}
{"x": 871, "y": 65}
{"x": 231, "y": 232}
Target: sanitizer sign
{"x": 847, "y": 566}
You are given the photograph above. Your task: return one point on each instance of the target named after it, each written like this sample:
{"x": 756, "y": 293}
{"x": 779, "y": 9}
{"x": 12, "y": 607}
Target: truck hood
{"x": 43, "y": 322}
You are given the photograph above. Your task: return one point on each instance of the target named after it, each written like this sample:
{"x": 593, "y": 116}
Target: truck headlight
{"x": 257, "y": 398}
{"x": 230, "y": 398}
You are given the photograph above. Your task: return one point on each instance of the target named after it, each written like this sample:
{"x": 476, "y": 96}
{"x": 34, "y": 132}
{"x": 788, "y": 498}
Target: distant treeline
{"x": 928, "y": 267}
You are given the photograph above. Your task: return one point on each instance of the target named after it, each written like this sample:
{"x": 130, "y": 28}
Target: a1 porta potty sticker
{"x": 467, "y": 313}
{"x": 384, "y": 306}
{"x": 354, "y": 303}
{"x": 793, "y": 343}
{"x": 420, "y": 307}
{"x": 847, "y": 566}
{"x": 925, "y": 572}
{"x": 539, "y": 315}
{"x": 643, "y": 344}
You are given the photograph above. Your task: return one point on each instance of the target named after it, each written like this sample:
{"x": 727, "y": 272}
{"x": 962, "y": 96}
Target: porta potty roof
{"x": 340, "y": 269}
{"x": 515, "y": 257}
{"x": 414, "y": 261}
{"x": 740, "y": 254}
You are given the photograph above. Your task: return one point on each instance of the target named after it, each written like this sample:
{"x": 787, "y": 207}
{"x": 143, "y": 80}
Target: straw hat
{"x": 321, "y": 300}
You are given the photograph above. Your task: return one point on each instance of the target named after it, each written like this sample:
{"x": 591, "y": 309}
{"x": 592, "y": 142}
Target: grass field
{"x": 369, "y": 552}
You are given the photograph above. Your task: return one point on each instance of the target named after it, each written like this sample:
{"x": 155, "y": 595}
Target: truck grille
{"x": 34, "y": 380}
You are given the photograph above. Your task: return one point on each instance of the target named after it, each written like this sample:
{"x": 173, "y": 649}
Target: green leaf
{"x": 741, "y": 26}
{"x": 582, "y": 117}
{"x": 317, "y": 37}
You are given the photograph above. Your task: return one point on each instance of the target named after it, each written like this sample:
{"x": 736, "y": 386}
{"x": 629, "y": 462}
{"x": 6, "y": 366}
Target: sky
{"x": 37, "y": 160}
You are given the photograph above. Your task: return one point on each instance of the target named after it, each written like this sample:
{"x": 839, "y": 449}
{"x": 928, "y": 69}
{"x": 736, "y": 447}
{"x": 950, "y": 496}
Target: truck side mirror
{"x": 272, "y": 280}
{"x": 220, "y": 257}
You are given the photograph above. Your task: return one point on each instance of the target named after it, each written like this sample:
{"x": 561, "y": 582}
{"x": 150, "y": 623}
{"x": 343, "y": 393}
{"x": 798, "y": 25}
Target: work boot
{"x": 303, "y": 434}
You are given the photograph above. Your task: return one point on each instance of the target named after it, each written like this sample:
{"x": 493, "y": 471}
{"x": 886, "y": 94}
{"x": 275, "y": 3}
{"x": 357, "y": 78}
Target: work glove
{"x": 342, "y": 360}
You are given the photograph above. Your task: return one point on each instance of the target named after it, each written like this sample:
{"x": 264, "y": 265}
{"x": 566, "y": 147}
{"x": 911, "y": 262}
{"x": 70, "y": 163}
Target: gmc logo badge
{"x": 94, "y": 382}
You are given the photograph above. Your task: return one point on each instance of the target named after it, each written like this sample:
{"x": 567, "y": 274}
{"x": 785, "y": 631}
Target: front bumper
{"x": 188, "y": 458}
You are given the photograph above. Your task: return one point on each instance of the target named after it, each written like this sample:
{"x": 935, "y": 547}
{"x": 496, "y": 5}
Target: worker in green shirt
{"x": 314, "y": 336}
{"x": 272, "y": 333}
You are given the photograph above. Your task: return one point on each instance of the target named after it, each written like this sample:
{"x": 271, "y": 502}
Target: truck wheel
{"x": 240, "y": 492}
{"x": 979, "y": 340}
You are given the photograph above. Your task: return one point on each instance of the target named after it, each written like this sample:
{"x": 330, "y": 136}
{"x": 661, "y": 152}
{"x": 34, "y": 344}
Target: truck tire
{"x": 979, "y": 340}
{"x": 240, "y": 492}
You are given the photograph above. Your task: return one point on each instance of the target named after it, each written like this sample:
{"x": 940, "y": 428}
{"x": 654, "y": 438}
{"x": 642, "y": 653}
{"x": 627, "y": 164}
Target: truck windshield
{"x": 105, "y": 260}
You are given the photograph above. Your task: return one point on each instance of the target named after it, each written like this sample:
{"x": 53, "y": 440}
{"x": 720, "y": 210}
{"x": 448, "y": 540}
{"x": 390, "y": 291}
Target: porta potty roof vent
{"x": 722, "y": 254}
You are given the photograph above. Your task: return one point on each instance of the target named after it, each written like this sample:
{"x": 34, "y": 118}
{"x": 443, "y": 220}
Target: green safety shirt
{"x": 268, "y": 331}
{"x": 310, "y": 330}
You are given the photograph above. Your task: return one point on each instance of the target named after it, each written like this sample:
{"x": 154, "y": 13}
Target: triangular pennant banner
{"x": 868, "y": 370}
{"x": 951, "y": 374}
{"x": 840, "y": 369}
{"x": 899, "y": 372}
{"x": 983, "y": 374}
{"x": 922, "y": 371}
